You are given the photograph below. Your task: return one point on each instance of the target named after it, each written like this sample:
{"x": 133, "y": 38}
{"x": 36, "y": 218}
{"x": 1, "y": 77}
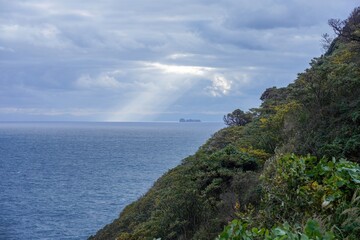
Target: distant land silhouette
{"x": 189, "y": 120}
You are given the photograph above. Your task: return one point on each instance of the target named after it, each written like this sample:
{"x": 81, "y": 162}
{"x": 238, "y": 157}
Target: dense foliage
{"x": 297, "y": 189}
{"x": 288, "y": 170}
{"x": 238, "y": 230}
{"x": 237, "y": 118}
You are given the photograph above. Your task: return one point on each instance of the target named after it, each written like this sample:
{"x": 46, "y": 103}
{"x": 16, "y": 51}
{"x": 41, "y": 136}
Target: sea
{"x": 66, "y": 180}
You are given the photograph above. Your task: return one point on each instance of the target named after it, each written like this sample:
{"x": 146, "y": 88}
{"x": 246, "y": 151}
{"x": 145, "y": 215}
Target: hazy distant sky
{"x": 153, "y": 60}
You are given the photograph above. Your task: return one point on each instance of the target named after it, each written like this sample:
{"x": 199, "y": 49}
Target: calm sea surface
{"x": 67, "y": 180}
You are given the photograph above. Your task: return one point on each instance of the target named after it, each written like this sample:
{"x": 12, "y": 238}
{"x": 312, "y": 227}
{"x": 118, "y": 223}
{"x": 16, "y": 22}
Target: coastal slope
{"x": 292, "y": 169}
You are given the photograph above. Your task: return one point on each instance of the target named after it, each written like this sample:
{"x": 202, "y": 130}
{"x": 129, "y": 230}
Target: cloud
{"x": 6, "y": 49}
{"x": 105, "y": 80}
{"x": 176, "y": 56}
{"x": 50, "y": 111}
{"x": 45, "y": 35}
{"x": 156, "y": 87}
{"x": 55, "y": 9}
{"x": 147, "y": 60}
{"x": 220, "y": 86}
{"x": 176, "y": 69}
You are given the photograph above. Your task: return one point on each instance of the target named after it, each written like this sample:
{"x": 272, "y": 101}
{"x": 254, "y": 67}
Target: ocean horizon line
{"x": 89, "y": 121}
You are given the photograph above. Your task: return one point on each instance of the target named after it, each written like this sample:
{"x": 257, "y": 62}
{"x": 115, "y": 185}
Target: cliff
{"x": 293, "y": 170}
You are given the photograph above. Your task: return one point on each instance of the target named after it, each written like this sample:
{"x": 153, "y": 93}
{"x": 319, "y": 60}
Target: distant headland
{"x": 189, "y": 120}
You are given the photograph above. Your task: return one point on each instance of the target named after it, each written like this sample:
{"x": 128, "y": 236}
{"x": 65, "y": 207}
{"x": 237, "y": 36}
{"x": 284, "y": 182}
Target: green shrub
{"x": 297, "y": 188}
{"x": 238, "y": 230}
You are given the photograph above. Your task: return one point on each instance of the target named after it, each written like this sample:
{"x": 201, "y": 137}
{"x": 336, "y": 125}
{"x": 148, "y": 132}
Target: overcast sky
{"x": 153, "y": 60}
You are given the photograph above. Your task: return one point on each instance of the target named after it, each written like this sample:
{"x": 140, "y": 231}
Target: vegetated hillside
{"x": 291, "y": 171}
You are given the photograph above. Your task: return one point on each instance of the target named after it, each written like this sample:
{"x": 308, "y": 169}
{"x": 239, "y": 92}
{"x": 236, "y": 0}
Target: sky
{"x": 159, "y": 60}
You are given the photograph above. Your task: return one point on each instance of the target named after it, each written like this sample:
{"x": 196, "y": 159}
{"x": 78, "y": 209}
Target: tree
{"x": 348, "y": 29}
{"x": 237, "y": 118}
